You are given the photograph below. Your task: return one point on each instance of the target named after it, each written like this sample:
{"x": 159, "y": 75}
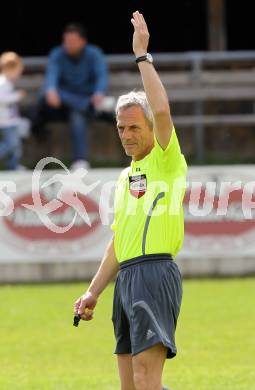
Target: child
{"x": 12, "y": 126}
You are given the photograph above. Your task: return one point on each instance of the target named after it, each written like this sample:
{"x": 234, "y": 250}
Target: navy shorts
{"x": 146, "y": 305}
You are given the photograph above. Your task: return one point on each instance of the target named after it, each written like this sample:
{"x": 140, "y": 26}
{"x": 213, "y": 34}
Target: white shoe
{"x": 80, "y": 164}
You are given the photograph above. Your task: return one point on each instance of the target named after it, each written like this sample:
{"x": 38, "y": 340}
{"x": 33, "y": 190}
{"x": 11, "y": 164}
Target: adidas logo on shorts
{"x": 149, "y": 334}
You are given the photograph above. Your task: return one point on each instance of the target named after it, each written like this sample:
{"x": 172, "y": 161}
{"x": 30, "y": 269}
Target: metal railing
{"x": 196, "y": 60}
{"x": 195, "y": 63}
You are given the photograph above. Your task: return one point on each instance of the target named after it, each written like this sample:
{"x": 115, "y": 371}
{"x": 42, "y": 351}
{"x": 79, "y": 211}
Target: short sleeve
{"x": 113, "y": 226}
{"x": 119, "y": 196}
{"x": 170, "y": 159}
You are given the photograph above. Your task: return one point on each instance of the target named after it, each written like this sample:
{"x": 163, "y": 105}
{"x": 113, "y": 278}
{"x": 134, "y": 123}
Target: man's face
{"x": 135, "y": 133}
{"x": 73, "y": 43}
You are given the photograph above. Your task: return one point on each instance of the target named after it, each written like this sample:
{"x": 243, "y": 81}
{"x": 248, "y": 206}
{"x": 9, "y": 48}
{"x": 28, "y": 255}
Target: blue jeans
{"x": 77, "y": 109}
{"x": 78, "y": 125}
{"x": 10, "y": 147}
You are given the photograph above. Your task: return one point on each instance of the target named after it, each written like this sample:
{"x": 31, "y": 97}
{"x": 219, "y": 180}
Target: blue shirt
{"x": 84, "y": 75}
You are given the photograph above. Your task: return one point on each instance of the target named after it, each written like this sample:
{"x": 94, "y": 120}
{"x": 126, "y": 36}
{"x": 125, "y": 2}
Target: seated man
{"x": 75, "y": 84}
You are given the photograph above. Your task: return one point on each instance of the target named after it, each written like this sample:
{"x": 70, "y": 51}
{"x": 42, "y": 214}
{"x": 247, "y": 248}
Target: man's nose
{"x": 125, "y": 134}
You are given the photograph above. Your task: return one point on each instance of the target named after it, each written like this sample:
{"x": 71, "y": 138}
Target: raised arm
{"x": 153, "y": 86}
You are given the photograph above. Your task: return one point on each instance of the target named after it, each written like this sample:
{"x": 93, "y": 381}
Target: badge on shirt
{"x": 137, "y": 185}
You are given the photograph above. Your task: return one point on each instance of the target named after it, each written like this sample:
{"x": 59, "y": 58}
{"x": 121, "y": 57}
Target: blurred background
{"x": 204, "y": 51}
{"x": 61, "y": 73}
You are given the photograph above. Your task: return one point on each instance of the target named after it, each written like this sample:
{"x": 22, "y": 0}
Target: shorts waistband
{"x": 152, "y": 258}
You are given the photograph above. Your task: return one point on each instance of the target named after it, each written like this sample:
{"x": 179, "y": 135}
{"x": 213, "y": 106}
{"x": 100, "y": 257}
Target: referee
{"x": 148, "y": 231}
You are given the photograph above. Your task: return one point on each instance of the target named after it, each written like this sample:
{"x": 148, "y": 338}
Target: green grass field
{"x": 40, "y": 349}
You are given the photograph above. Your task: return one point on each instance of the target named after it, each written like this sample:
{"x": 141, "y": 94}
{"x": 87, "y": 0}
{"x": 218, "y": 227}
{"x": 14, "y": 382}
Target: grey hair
{"x": 135, "y": 98}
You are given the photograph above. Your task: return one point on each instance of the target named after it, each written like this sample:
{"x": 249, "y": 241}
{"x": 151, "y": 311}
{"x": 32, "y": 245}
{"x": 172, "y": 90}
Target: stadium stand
{"x": 211, "y": 93}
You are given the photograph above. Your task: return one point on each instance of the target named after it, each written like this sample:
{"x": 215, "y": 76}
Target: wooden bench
{"x": 192, "y": 80}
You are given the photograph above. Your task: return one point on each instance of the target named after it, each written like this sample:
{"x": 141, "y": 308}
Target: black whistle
{"x": 76, "y": 320}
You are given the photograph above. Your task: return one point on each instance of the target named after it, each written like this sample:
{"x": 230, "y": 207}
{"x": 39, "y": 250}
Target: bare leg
{"x": 126, "y": 372}
{"x": 148, "y": 368}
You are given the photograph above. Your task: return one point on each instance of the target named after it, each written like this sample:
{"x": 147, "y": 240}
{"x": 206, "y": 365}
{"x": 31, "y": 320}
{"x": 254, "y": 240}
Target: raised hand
{"x": 141, "y": 34}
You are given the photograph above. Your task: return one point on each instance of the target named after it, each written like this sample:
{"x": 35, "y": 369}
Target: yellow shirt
{"x": 148, "y": 203}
